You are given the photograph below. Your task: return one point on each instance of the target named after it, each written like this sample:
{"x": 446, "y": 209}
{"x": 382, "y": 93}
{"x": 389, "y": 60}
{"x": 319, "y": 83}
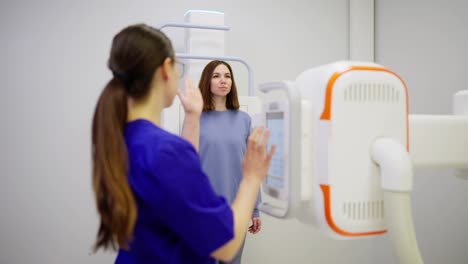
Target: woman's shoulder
{"x": 172, "y": 142}
{"x": 150, "y": 136}
{"x": 244, "y": 118}
{"x": 242, "y": 114}
{"x": 170, "y": 150}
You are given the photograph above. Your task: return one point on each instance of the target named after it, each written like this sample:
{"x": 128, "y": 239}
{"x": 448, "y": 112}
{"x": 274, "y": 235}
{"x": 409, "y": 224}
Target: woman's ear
{"x": 166, "y": 68}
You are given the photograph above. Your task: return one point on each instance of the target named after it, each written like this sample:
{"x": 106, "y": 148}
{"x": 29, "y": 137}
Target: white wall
{"x": 54, "y": 66}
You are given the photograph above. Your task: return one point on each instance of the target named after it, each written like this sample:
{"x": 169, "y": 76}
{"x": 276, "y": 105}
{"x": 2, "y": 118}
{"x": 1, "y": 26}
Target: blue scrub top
{"x": 180, "y": 217}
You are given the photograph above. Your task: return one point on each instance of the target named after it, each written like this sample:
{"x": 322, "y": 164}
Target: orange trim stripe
{"x": 326, "y": 115}
{"x": 331, "y": 223}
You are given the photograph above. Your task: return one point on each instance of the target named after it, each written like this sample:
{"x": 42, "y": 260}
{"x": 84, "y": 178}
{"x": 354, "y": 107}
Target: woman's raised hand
{"x": 257, "y": 158}
{"x": 191, "y": 98}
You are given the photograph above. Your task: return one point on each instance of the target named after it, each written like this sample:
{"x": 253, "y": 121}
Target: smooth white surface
{"x": 460, "y": 107}
{"x": 361, "y": 30}
{"x": 395, "y": 167}
{"x": 439, "y": 141}
{"x": 202, "y": 41}
{"x": 364, "y": 105}
{"x": 308, "y": 154}
{"x": 460, "y": 103}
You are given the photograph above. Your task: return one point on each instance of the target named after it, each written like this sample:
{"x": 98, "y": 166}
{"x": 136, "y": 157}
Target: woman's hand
{"x": 256, "y": 225}
{"x": 191, "y": 99}
{"x": 256, "y": 159}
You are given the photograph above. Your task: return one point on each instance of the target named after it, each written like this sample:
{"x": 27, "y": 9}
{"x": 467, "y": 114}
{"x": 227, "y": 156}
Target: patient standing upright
{"x": 224, "y": 130}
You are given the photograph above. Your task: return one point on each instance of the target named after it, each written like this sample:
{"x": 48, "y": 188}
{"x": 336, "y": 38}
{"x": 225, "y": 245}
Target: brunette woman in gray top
{"x": 224, "y": 130}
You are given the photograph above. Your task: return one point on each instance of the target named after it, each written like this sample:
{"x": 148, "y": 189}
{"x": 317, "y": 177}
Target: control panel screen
{"x": 275, "y": 124}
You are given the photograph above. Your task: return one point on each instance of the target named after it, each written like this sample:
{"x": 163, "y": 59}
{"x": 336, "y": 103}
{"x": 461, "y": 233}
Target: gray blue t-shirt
{"x": 223, "y": 142}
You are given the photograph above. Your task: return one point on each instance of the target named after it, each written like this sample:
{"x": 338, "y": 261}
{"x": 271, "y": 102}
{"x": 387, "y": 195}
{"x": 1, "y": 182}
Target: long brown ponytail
{"x": 115, "y": 200}
{"x": 137, "y": 51}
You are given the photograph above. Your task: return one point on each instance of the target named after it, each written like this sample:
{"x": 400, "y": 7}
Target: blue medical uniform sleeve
{"x": 185, "y": 201}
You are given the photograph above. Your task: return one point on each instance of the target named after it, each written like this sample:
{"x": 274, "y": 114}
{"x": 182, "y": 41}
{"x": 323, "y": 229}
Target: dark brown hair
{"x": 232, "y": 102}
{"x": 137, "y": 51}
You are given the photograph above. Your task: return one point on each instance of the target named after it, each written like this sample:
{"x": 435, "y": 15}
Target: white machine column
{"x": 201, "y": 41}
{"x": 460, "y": 107}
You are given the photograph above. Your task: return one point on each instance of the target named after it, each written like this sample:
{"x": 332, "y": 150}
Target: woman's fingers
{"x": 271, "y": 153}
{"x": 253, "y": 138}
{"x": 259, "y": 225}
{"x": 264, "y": 142}
{"x": 258, "y": 141}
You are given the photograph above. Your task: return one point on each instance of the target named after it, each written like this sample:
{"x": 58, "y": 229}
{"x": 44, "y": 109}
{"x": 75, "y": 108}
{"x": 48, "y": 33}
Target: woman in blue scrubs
{"x": 156, "y": 204}
{"x": 224, "y": 130}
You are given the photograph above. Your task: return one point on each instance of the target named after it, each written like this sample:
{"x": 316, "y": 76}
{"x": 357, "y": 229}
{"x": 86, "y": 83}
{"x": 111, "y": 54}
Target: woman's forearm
{"x": 191, "y": 129}
{"x": 242, "y": 208}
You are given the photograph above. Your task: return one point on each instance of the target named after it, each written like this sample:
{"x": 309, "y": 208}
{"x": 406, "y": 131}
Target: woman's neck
{"x": 149, "y": 109}
{"x": 219, "y": 103}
